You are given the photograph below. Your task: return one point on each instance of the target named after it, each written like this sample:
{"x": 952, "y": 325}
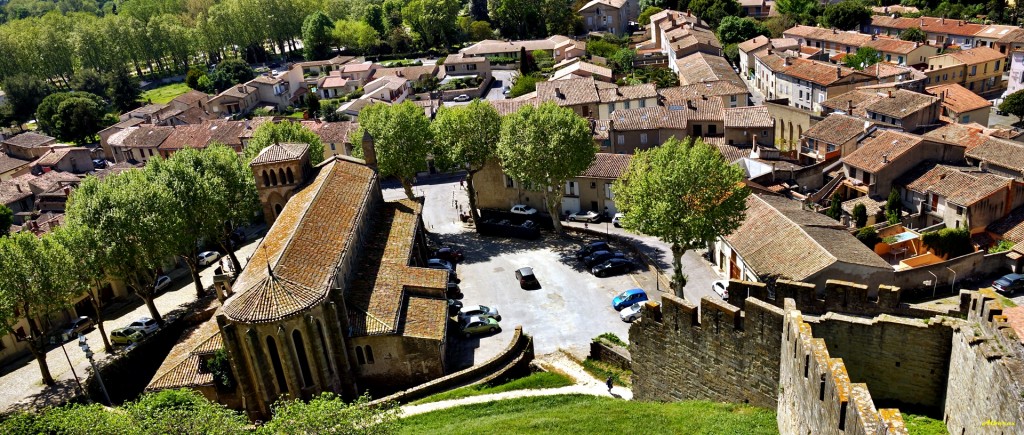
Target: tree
{"x": 560, "y": 17}
{"x": 527, "y": 65}
{"x": 1014, "y": 105}
{"x": 6, "y": 220}
{"x": 622, "y": 61}
{"x": 89, "y": 80}
{"x": 524, "y": 84}
{"x": 797, "y": 9}
{"x": 184, "y": 411}
{"x": 33, "y": 286}
{"x": 433, "y": 21}
{"x": 544, "y": 147}
{"x": 231, "y": 72}
{"x": 480, "y": 30}
{"x": 135, "y": 211}
{"x": 270, "y": 133}
{"x": 316, "y": 36}
{"x": 893, "y": 207}
{"x": 714, "y": 11}
{"x": 517, "y": 19}
{"x": 313, "y": 105}
{"x": 835, "y": 207}
{"x": 466, "y": 136}
{"x": 328, "y": 413}
{"x": 645, "y": 16}
{"x": 237, "y": 201}
{"x": 914, "y": 34}
{"x": 401, "y": 140}
{"x": 846, "y": 15}
{"x": 683, "y": 192}
{"x": 860, "y": 215}
{"x": 192, "y": 77}
{"x": 88, "y": 270}
{"x": 78, "y": 119}
{"x": 123, "y": 89}
{"x": 356, "y": 36}
{"x": 24, "y": 93}
{"x": 734, "y": 29}
{"x": 863, "y": 58}
{"x": 868, "y": 236}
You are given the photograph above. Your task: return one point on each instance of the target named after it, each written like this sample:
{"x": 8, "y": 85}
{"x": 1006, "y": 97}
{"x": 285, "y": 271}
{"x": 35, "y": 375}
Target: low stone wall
{"x": 515, "y": 358}
{"x": 612, "y": 354}
{"x": 477, "y": 92}
{"x": 838, "y": 297}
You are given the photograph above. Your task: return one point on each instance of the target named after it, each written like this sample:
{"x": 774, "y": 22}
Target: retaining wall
{"x": 611, "y": 354}
{"x": 838, "y": 297}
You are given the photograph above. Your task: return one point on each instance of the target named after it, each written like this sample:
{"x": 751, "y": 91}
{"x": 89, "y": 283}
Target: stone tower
{"x": 279, "y": 170}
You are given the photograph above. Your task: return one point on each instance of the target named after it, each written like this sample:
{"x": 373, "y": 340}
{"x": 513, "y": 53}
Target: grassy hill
{"x": 590, "y": 414}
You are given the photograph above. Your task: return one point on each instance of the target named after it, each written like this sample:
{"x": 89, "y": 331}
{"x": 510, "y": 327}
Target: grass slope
{"x": 165, "y": 93}
{"x": 921, "y": 425}
{"x": 591, "y": 415}
{"x": 533, "y": 382}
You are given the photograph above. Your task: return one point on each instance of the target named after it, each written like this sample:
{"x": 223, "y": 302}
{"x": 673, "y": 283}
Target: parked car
{"x": 721, "y": 287}
{"x": 523, "y": 209}
{"x": 449, "y": 254}
{"x": 437, "y": 263}
{"x": 631, "y": 313}
{"x": 479, "y": 310}
{"x": 125, "y": 336}
{"x": 526, "y": 278}
{"x": 75, "y": 327}
{"x": 600, "y": 257}
{"x": 585, "y": 216}
{"x": 479, "y": 325}
{"x": 507, "y": 91}
{"x": 454, "y": 306}
{"x": 591, "y": 248}
{"x": 528, "y": 224}
{"x": 162, "y": 282}
{"x": 207, "y": 258}
{"x": 99, "y": 163}
{"x": 613, "y": 266}
{"x": 462, "y": 97}
{"x": 1011, "y": 283}
{"x": 237, "y": 237}
{"x": 628, "y": 297}
{"x": 617, "y": 220}
{"x": 145, "y": 325}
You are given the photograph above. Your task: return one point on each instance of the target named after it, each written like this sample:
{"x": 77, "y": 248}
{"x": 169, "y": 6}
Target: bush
{"x": 611, "y": 338}
{"x": 502, "y": 60}
{"x": 524, "y": 85}
{"x": 949, "y": 242}
{"x": 1003, "y": 246}
{"x": 868, "y": 236}
{"x": 860, "y": 215}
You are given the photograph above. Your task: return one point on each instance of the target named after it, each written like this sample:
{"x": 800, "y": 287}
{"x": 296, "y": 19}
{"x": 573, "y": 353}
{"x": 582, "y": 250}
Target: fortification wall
{"x": 905, "y": 362}
{"x": 835, "y": 297}
{"x": 815, "y": 392}
{"x": 724, "y": 355}
{"x": 984, "y": 394}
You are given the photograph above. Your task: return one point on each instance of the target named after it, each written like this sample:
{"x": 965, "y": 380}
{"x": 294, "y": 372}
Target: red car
{"x": 449, "y": 254}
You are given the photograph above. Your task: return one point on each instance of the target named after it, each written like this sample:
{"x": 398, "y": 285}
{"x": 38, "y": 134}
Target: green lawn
{"x": 593, "y": 415}
{"x": 601, "y": 370}
{"x": 165, "y": 93}
{"x": 921, "y": 425}
{"x": 533, "y": 382}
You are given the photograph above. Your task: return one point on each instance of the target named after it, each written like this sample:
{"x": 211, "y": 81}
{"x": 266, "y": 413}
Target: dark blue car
{"x": 627, "y": 298}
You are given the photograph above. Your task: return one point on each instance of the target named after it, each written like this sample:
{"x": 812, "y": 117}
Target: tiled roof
{"x": 375, "y": 298}
{"x": 8, "y": 163}
{"x": 610, "y": 3}
{"x": 820, "y": 73}
{"x": 962, "y": 134}
{"x": 732, "y": 153}
{"x": 631, "y": 92}
{"x": 928, "y": 24}
{"x": 181, "y": 368}
{"x": 14, "y": 190}
{"x": 280, "y": 152}
{"x": 698, "y": 109}
{"x": 332, "y": 132}
{"x": 748, "y": 117}
{"x": 505, "y": 107}
{"x": 779, "y": 237}
{"x": 358, "y": 67}
{"x": 836, "y": 129}
{"x": 575, "y": 67}
{"x": 304, "y": 245}
{"x": 901, "y": 103}
{"x": 238, "y": 91}
{"x": 830, "y": 35}
{"x": 423, "y": 317}
{"x": 461, "y": 58}
{"x": 958, "y": 99}
{"x": 977, "y": 55}
{"x": 332, "y": 80}
{"x": 145, "y": 136}
{"x": 1010, "y": 227}
{"x": 192, "y": 98}
{"x": 755, "y": 43}
{"x": 892, "y": 45}
{"x": 202, "y": 135}
{"x": 1001, "y": 152}
{"x": 958, "y": 186}
{"x": 489, "y": 46}
{"x": 772, "y": 61}
{"x": 409, "y": 72}
{"x": 697, "y": 90}
{"x": 702, "y": 67}
{"x": 608, "y": 166}
{"x": 29, "y": 139}
{"x": 857, "y": 99}
{"x": 878, "y": 152}
{"x": 782, "y": 44}
{"x": 884, "y": 70}
{"x": 268, "y": 79}
{"x": 569, "y": 92}
{"x": 871, "y": 205}
{"x": 601, "y": 127}
{"x": 54, "y": 156}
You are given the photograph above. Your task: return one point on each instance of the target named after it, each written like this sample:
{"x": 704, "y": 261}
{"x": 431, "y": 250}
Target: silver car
{"x": 631, "y": 313}
{"x": 479, "y": 310}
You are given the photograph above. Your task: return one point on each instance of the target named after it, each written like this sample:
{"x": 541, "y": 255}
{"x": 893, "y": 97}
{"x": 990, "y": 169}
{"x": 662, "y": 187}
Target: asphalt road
{"x": 502, "y": 78}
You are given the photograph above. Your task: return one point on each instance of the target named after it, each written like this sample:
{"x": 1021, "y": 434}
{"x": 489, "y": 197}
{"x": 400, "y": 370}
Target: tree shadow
{"x": 479, "y": 249}
{"x": 58, "y": 394}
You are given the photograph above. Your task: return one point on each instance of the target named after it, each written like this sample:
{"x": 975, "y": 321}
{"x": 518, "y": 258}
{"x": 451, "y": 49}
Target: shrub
{"x": 949, "y": 242}
{"x": 860, "y": 215}
{"x": 1003, "y": 246}
{"x": 611, "y": 338}
{"x": 868, "y": 236}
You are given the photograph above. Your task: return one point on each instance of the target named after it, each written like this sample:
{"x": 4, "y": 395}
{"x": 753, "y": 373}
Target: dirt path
{"x": 556, "y": 362}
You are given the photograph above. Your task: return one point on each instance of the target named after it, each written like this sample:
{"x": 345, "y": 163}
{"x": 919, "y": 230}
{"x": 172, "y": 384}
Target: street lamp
{"x": 952, "y": 286}
{"x": 73, "y": 373}
{"x": 84, "y": 344}
{"x": 934, "y": 284}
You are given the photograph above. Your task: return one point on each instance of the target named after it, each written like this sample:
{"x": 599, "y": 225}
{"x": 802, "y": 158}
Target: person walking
{"x": 609, "y": 383}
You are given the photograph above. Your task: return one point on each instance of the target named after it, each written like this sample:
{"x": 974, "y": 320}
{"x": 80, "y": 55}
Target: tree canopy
{"x": 914, "y": 34}
{"x": 1014, "y": 105}
{"x": 317, "y": 37}
{"x": 328, "y": 413}
{"x": 401, "y": 140}
{"x": 544, "y": 147}
{"x": 846, "y": 15}
{"x": 863, "y": 58}
{"x": 466, "y": 136}
{"x": 683, "y": 192}
{"x": 734, "y": 29}
{"x": 270, "y": 133}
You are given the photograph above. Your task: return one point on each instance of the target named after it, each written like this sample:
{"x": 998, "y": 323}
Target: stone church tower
{"x": 279, "y": 170}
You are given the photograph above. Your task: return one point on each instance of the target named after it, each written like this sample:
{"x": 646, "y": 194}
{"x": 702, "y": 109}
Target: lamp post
{"x": 84, "y": 344}
{"x": 73, "y": 373}
{"x": 952, "y": 286}
{"x": 934, "y": 283}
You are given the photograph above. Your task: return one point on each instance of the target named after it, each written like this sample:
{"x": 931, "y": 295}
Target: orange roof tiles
{"x": 280, "y": 152}
{"x": 977, "y": 55}
{"x": 608, "y": 166}
{"x": 182, "y": 366}
{"x": 958, "y": 99}
{"x": 748, "y": 117}
{"x": 876, "y": 153}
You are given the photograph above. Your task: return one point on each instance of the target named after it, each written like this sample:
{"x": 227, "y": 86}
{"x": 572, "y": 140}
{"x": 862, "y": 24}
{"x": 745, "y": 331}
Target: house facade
{"x": 611, "y": 16}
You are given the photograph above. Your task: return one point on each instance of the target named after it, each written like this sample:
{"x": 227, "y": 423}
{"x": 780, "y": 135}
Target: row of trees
{"x": 188, "y": 412}
{"x": 71, "y": 116}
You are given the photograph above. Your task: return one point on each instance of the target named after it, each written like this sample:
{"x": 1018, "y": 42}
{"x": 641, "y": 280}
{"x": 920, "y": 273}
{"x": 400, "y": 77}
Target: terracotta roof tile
{"x": 8, "y": 163}
{"x": 280, "y": 152}
{"x": 181, "y": 368}
{"x": 192, "y": 98}
{"x": 900, "y": 103}
{"x": 631, "y": 92}
{"x": 570, "y": 92}
{"x": 858, "y": 99}
{"x": 958, "y": 186}
{"x": 717, "y": 88}
{"x": 821, "y": 73}
{"x": 958, "y": 99}
{"x": 748, "y": 117}
{"x": 1001, "y": 152}
{"x": 732, "y": 153}
{"x": 29, "y": 139}
{"x": 962, "y": 134}
{"x": 871, "y": 205}
{"x": 647, "y": 118}
{"x": 608, "y": 166}
{"x": 977, "y": 55}
{"x": 423, "y": 317}
{"x": 755, "y": 43}
{"x": 836, "y": 129}
{"x": 830, "y": 35}
{"x": 332, "y": 132}
{"x": 145, "y": 136}
{"x": 876, "y": 153}
{"x": 1010, "y": 227}
{"x": 702, "y": 67}
{"x": 892, "y": 45}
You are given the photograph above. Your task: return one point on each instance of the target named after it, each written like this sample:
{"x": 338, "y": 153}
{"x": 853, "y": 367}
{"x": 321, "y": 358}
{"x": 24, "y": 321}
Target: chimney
{"x": 688, "y": 13}
{"x": 559, "y": 94}
{"x": 835, "y": 31}
{"x": 19, "y": 187}
{"x": 247, "y": 126}
{"x": 241, "y": 88}
{"x": 849, "y": 107}
{"x": 960, "y": 23}
{"x": 942, "y": 20}
{"x": 689, "y": 103}
{"x": 890, "y": 94}
{"x": 922, "y": 22}
{"x": 885, "y": 158}
{"x": 917, "y": 44}
{"x": 789, "y": 61}
{"x": 769, "y": 52}
{"x": 839, "y": 72}
{"x": 67, "y": 190}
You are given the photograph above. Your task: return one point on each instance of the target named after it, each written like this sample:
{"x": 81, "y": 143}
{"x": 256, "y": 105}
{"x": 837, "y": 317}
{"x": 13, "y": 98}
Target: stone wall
{"x": 835, "y": 297}
{"x": 723, "y": 355}
{"x": 815, "y": 392}
{"x": 903, "y": 361}
{"x": 975, "y": 264}
{"x": 611, "y": 353}
{"x": 985, "y": 392}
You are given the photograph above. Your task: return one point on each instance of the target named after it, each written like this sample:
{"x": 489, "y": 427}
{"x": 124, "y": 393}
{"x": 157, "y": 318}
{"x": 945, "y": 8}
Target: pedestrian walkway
{"x": 559, "y": 362}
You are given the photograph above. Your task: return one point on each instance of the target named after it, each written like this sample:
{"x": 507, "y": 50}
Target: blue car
{"x": 627, "y": 298}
